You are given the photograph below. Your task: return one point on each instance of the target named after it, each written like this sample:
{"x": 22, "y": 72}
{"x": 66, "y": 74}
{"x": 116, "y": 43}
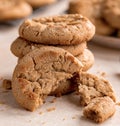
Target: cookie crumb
{"x": 40, "y": 113}
{"x": 118, "y": 103}
{"x": 73, "y": 117}
{"x": 51, "y": 109}
{"x": 43, "y": 123}
{"x": 64, "y": 119}
{"x": 7, "y": 84}
{"x": 53, "y": 100}
{"x": 102, "y": 74}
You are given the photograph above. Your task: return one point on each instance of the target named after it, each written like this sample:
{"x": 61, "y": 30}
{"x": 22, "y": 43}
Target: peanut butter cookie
{"x": 111, "y": 12}
{"x": 14, "y": 9}
{"x": 100, "y": 109}
{"x": 87, "y": 59}
{"x": 92, "y": 9}
{"x": 63, "y": 30}
{"x": 21, "y": 47}
{"x": 40, "y": 72}
{"x": 91, "y": 86}
{"x": 38, "y": 3}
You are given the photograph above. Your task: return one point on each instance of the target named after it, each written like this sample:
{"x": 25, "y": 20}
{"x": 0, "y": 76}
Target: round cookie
{"x": 87, "y": 59}
{"x": 92, "y": 9}
{"x": 14, "y": 9}
{"x": 38, "y": 3}
{"x": 63, "y": 30}
{"x": 21, "y": 47}
{"x": 40, "y": 72}
{"x": 111, "y": 12}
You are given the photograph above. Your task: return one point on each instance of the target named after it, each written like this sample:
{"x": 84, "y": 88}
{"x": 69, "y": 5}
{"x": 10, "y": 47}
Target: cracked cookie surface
{"x": 21, "y": 47}
{"x": 91, "y": 86}
{"x": 63, "y": 30}
{"x": 14, "y": 9}
{"x": 40, "y": 72}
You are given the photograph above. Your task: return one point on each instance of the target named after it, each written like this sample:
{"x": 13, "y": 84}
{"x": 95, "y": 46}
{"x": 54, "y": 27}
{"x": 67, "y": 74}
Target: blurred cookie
{"x": 92, "y": 9}
{"x": 111, "y": 12}
{"x": 62, "y": 30}
{"x": 87, "y": 59}
{"x": 14, "y": 9}
{"x": 38, "y": 3}
{"x": 21, "y": 47}
{"x": 100, "y": 109}
{"x": 40, "y": 72}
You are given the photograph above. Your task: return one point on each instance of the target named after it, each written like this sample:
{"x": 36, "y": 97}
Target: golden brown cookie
{"x": 40, "y": 72}
{"x": 92, "y": 9}
{"x": 92, "y": 86}
{"x": 14, "y": 9}
{"x": 38, "y": 3}
{"x": 100, "y": 109}
{"x": 87, "y": 59}
{"x": 63, "y": 30}
{"x": 111, "y": 12}
{"x": 21, "y": 47}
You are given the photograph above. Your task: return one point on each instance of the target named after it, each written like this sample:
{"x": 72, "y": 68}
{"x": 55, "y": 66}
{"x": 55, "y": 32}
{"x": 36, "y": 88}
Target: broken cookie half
{"x": 91, "y": 86}
{"x": 40, "y": 73}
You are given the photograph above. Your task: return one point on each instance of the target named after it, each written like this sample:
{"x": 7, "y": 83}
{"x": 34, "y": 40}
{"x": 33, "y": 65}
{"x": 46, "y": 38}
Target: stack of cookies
{"x": 51, "y": 50}
{"x": 53, "y": 60}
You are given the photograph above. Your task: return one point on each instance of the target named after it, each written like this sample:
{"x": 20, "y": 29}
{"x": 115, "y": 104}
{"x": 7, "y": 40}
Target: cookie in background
{"x": 14, "y": 9}
{"x": 92, "y": 9}
{"x": 38, "y": 3}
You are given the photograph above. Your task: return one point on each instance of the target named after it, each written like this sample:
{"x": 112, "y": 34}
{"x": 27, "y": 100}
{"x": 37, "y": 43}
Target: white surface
{"x": 67, "y": 107}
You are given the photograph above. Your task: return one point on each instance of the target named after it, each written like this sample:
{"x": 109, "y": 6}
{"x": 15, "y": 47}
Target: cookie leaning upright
{"x": 63, "y": 30}
{"x": 111, "y": 12}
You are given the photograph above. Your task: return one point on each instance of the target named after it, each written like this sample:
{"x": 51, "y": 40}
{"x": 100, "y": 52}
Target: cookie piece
{"x": 38, "y": 3}
{"x": 94, "y": 7}
{"x": 100, "y": 109}
{"x": 87, "y": 59}
{"x": 91, "y": 86}
{"x": 39, "y": 73}
{"x": 21, "y": 47}
{"x": 63, "y": 30}
{"x": 111, "y": 12}
{"x": 14, "y": 9}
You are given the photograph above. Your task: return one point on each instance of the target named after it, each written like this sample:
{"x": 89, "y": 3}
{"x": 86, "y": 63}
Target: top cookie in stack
{"x": 51, "y": 51}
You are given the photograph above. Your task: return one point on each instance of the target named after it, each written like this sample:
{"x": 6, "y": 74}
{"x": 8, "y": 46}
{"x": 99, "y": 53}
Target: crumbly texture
{"x": 100, "y": 109}
{"x": 14, "y": 9}
{"x": 38, "y": 3}
{"x": 94, "y": 7}
{"x": 87, "y": 59}
{"x": 64, "y": 30}
{"x": 6, "y": 84}
{"x": 111, "y": 12}
{"x": 21, "y": 47}
{"x": 40, "y": 72}
{"x": 91, "y": 86}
